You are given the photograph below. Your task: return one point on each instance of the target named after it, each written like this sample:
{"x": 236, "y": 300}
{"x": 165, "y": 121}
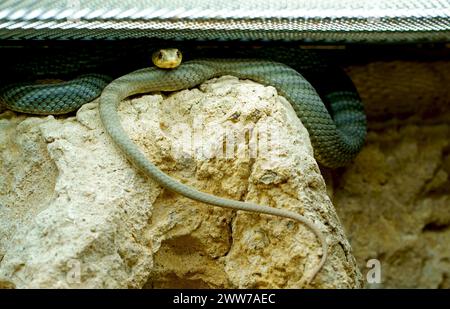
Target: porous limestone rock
{"x": 394, "y": 199}
{"x": 75, "y": 213}
{"x": 394, "y": 202}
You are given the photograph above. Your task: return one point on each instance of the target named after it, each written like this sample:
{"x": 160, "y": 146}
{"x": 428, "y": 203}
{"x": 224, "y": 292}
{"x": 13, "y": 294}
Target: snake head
{"x": 167, "y": 58}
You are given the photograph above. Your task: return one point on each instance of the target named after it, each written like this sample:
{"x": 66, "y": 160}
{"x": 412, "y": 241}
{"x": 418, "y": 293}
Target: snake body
{"x": 55, "y": 99}
{"x": 336, "y": 138}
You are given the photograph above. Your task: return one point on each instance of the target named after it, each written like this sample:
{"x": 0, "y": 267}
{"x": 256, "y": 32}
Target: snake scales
{"x": 337, "y": 130}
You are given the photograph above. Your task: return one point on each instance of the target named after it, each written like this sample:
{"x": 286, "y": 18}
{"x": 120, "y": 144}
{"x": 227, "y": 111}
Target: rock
{"x": 75, "y": 214}
{"x": 402, "y": 89}
{"x": 394, "y": 200}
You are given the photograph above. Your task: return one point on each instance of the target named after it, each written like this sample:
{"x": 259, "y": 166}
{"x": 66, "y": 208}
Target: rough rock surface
{"x": 75, "y": 213}
{"x": 394, "y": 201}
{"x": 403, "y": 90}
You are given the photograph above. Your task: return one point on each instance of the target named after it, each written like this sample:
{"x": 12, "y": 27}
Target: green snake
{"x": 337, "y": 130}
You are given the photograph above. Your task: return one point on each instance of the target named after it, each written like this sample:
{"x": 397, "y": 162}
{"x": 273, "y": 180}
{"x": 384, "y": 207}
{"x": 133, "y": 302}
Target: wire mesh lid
{"x": 322, "y": 20}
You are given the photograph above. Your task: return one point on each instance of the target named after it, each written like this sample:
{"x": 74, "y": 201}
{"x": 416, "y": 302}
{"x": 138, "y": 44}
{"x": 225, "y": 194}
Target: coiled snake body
{"x": 336, "y": 137}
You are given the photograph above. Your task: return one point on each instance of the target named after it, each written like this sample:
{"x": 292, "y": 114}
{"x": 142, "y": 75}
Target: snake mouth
{"x": 169, "y": 64}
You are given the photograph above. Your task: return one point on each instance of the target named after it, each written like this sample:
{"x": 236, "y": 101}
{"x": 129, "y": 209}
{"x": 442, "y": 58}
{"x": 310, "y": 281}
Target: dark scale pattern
{"x": 60, "y": 98}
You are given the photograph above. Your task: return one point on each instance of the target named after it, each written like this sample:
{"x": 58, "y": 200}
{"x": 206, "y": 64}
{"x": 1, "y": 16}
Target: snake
{"x": 337, "y": 129}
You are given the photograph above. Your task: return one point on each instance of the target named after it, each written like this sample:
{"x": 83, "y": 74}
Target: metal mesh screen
{"x": 323, "y": 20}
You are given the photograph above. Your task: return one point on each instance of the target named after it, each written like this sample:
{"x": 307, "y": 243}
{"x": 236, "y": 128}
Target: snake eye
{"x": 160, "y": 55}
{"x": 178, "y": 54}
